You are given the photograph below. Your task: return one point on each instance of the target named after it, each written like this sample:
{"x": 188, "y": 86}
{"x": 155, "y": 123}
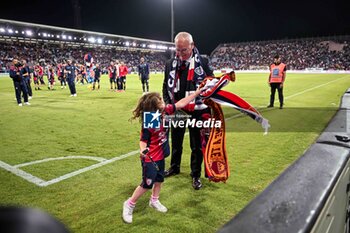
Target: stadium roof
{"x": 23, "y": 29}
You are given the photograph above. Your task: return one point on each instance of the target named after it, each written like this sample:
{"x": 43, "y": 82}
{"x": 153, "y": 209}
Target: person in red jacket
{"x": 276, "y": 79}
{"x": 36, "y": 77}
{"x": 61, "y": 76}
{"x": 112, "y": 76}
{"x": 123, "y": 71}
{"x": 40, "y": 70}
{"x": 51, "y": 77}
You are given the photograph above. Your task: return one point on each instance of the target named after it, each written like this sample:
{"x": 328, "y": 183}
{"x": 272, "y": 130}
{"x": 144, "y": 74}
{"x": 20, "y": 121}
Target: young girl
{"x": 154, "y": 147}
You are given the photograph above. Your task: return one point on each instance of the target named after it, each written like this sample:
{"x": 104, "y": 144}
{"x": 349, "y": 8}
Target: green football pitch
{"x": 77, "y": 157}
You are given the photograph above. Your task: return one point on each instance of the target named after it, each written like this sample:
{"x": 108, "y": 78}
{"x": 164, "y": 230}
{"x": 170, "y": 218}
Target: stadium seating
{"x": 53, "y": 53}
{"x": 315, "y": 53}
{"x": 301, "y": 54}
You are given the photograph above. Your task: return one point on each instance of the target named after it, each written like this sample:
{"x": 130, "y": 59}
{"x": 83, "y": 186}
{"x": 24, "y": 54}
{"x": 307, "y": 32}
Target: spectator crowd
{"x": 55, "y": 53}
{"x": 300, "y": 54}
{"x": 317, "y": 53}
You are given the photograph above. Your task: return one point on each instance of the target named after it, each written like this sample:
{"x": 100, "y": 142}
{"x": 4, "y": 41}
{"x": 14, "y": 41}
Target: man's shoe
{"x": 281, "y": 106}
{"x": 127, "y": 212}
{"x": 196, "y": 183}
{"x": 158, "y": 206}
{"x": 171, "y": 172}
{"x": 270, "y": 106}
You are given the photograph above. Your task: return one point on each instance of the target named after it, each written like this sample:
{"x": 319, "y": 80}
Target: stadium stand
{"x": 311, "y": 53}
{"x": 54, "y": 53}
{"x": 52, "y": 45}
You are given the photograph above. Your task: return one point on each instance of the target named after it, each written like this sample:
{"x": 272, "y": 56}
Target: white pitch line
{"x": 291, "y": 96}
{"x": 99, "y": 159}
{"x": 21, "y": 173}
{"x": 69, "y": 175}
{"x": 43, "y": 183}
{"x": 313, "y": 88}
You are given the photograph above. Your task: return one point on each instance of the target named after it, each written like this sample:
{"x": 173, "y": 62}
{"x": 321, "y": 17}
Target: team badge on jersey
{"x": 148, "y": 181}
{"x": 174, "y": 63}
{"x": 199, "y": 70}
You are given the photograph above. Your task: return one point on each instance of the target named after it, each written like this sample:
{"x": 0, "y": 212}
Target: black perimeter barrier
{"x": 312, "y": 194}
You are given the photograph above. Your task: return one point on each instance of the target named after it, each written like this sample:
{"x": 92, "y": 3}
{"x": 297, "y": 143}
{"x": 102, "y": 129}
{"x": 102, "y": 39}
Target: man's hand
{"x": 209, "y": 83}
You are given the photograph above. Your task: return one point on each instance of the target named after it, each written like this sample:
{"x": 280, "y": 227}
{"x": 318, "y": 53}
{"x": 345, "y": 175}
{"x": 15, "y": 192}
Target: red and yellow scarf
{"x": 214, "y": 150}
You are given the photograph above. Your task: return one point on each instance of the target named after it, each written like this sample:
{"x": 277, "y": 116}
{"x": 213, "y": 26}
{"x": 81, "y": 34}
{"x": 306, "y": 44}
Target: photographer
{"x": 18, "y": 82}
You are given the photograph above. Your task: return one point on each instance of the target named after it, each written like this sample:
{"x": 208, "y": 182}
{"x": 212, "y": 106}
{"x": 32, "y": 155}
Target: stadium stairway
{"x": 311, "y": 195}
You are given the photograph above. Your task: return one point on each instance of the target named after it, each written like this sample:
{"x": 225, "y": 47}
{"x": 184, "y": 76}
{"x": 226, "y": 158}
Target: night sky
{"x": 211, "y": 22}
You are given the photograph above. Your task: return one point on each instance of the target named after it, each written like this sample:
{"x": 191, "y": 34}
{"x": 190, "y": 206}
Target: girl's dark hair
{"x": 147, "y": 103}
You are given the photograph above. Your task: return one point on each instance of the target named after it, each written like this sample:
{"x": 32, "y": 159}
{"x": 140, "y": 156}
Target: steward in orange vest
{"x": 276, "y": 80}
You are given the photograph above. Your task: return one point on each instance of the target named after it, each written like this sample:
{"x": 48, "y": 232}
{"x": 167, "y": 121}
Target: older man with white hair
{"x": 183, "y": 74}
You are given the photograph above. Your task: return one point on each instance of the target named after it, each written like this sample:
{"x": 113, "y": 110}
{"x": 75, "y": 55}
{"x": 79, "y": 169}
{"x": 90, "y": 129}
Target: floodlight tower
{"x": 77, "y": 13}
{"x": 172, "y": 53}
{"x": 172, "y": 20}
